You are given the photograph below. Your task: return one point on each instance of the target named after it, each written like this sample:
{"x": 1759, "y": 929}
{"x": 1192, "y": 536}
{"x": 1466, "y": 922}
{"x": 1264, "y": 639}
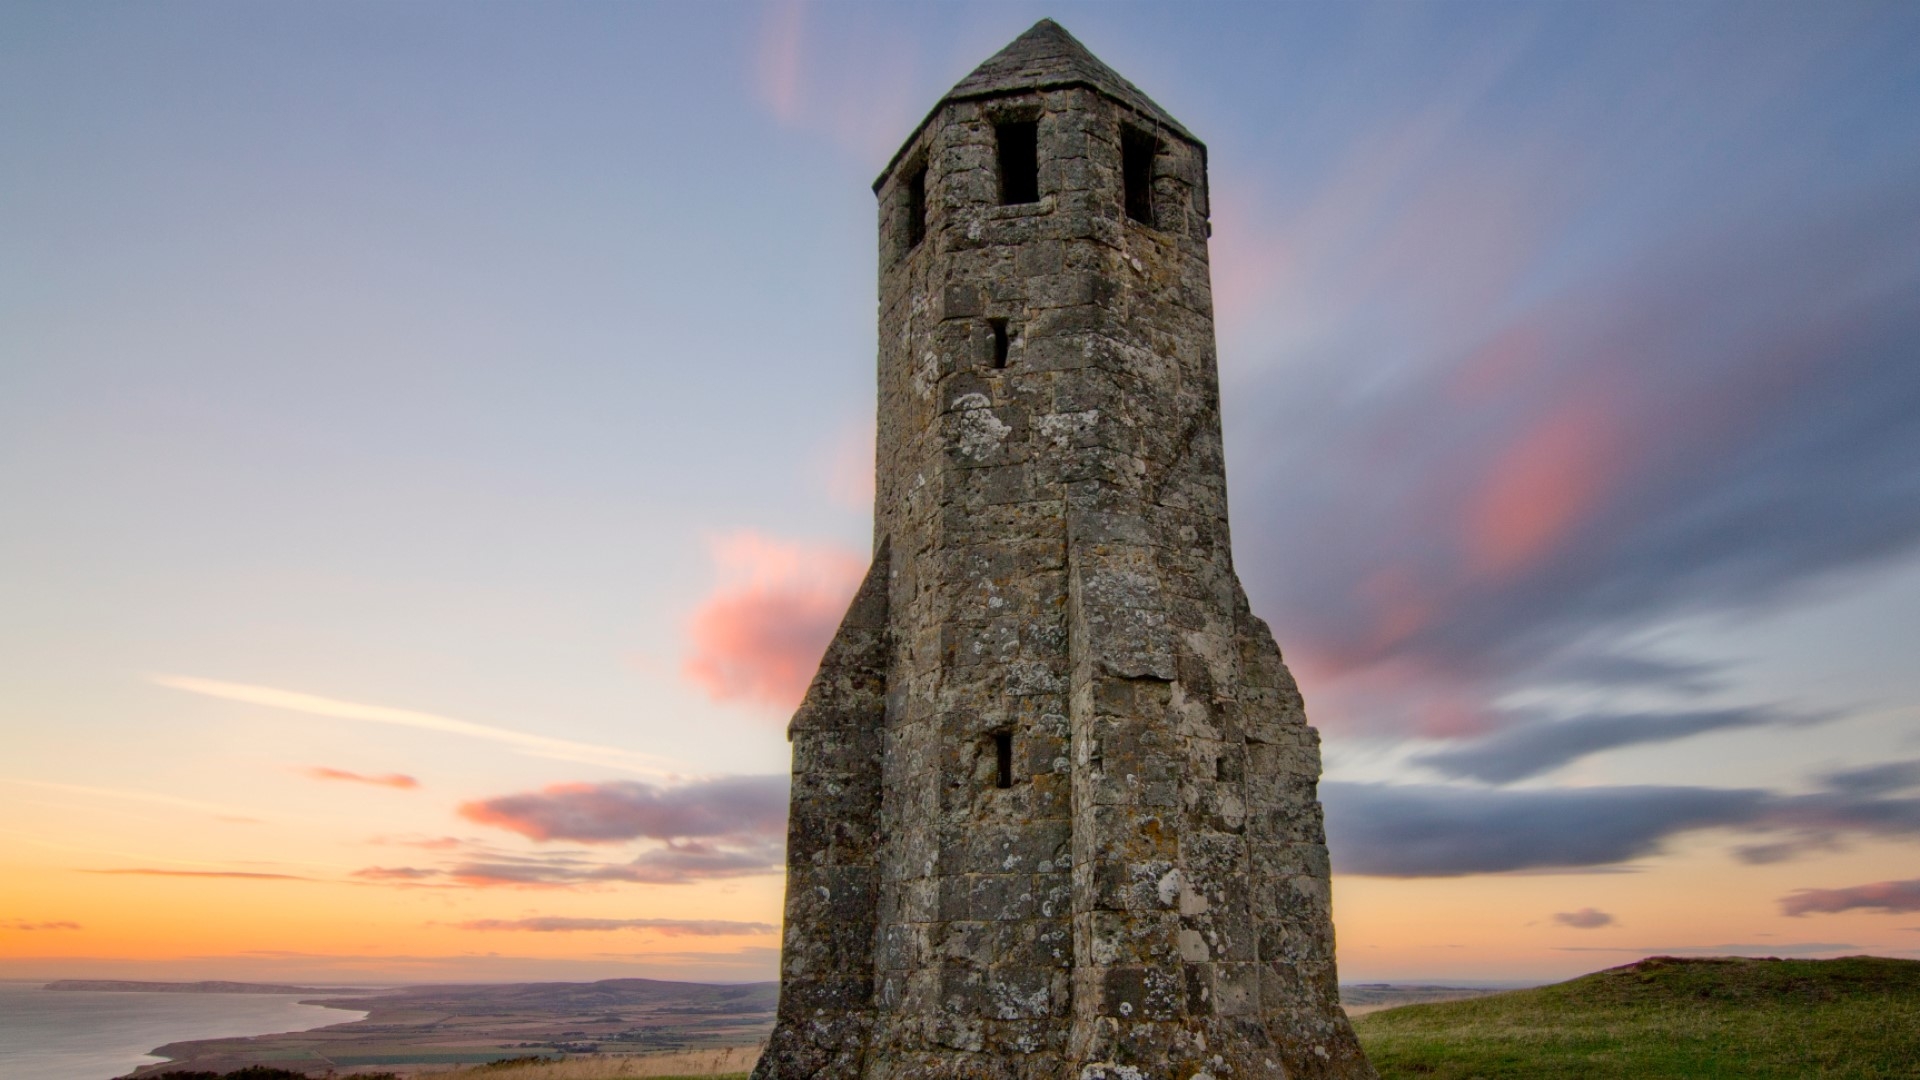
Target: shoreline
{"x": 431, "y": 1028}
{"x": 93, "y": 1035}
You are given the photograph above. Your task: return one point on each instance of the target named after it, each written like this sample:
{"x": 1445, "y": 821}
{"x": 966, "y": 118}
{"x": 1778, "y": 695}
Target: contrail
{"x": 536, "y": 745}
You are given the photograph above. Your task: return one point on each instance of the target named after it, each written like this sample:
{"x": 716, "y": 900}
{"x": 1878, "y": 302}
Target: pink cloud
{"x": 1542, "y": 485}
{"x": 848, "y": 467}
{"x": 1402, "y": 693}
{"x": 1399, "y": 604}
{"x": 760, "y": 635}
{"x": 621, "y": 810}
{"x": 777, "y": 66}
{"x": 1892, "y": 897}
{"x": 725, "y": 827}
{"x": 392, "y": 780}
{"x": 851, "y": 82}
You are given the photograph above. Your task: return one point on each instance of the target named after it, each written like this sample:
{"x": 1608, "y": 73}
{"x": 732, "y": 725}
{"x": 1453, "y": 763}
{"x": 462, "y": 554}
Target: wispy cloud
{"x": 1888, "y": 896}
{"x": 706, "y": 830}
{"x": 370, "y": 970}
{"x": 392, "y": 780}
{"x": 1584, "y": 919}
{"x": 849, "y": 81}
{"x": 553, "y": 924}
{"x": 1879, "y": 779}
{"x": 1539, "y": 747}
{"x": 677, "y": 863}
{"x": 27, "y": 925}
{"x": 1740, "y": 948}
{"x": 778, "y": 57}
{"x": 395, "y": 873}
{"x": 424, "y": 843}
{"x": 219, "y": 810}
{"x": 244, "y": 875}
{"x": 536, "y": 745}
{"x": 760, "y": 635}
{"x": 628, "y": 810}
{"x": 700, "y": 831}
{"x": 1446, "y": 830}
{"x": 1671, "y": 427}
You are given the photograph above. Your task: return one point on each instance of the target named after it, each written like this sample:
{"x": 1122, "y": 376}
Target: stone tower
{"x": 1054, "y": 810}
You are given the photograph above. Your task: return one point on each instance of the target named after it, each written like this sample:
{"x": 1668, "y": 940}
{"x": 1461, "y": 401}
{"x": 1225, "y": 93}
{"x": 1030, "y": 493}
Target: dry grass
{"x": 732, "y": 1062}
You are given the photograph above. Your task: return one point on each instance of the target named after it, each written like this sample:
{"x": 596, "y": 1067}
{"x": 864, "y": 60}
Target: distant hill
{"x": 128, "y": 987}
{"x": 1359, "y": 999}
{"x": 561, "y": 998}
{"x": 415, "y": 1026}
{"x": 1669, "y": 1017}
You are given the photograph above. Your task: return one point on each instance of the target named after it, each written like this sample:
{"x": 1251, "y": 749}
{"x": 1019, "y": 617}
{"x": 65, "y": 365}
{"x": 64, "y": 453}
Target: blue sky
{"x": 387, "y": 388}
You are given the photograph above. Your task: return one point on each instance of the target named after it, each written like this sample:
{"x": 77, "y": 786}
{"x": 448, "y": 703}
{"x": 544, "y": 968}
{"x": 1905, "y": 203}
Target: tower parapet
{"x": 1054, "y": 810}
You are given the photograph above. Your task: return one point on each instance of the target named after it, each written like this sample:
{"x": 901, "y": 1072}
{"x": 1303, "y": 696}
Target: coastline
{"x": 433, "y": 1027}
{"x": 94, "y": 1035}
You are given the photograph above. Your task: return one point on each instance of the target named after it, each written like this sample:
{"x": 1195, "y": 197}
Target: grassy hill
{"x": 1856, "y": 1017}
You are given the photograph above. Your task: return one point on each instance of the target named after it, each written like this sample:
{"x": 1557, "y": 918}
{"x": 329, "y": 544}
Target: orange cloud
{"x": 1550, "y": 478}
{"x": 392, "y": 780}
{"x": 760, "y": 635}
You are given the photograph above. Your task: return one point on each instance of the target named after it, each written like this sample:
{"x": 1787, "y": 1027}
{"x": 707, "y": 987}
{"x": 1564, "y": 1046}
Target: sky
{"x": 436, "y": 446}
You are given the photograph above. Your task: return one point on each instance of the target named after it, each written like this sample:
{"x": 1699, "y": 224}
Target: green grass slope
{"x": 1855, "y": 1017}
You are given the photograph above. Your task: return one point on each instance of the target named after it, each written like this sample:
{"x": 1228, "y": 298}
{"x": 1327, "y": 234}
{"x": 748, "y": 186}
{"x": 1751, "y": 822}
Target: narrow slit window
{"x": 1000, "y": 341}
{"x": 916, "y": 207}
{"x": 1019, "y": 161}
{"x": 1003, "y": 759}
{"x": 1137, "y": 150}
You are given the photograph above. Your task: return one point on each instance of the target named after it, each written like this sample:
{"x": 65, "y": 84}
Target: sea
{"x": 89, "y": 1035}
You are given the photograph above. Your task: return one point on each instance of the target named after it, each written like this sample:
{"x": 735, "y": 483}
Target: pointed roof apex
{"x": 1046, "y": 57}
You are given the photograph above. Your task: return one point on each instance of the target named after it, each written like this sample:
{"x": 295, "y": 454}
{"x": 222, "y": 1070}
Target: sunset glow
{"x": 438, "y": 444}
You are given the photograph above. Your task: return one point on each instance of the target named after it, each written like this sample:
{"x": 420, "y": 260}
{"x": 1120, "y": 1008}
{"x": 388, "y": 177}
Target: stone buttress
{"x": 1054, "y": 793}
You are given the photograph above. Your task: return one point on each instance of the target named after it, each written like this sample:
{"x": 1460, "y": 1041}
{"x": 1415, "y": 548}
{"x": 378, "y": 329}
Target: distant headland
{"x": 123, "y": 986}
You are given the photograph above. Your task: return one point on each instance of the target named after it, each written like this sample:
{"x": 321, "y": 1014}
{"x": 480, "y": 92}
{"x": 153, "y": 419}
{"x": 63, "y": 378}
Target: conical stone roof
{"x": 1046, "y": 57}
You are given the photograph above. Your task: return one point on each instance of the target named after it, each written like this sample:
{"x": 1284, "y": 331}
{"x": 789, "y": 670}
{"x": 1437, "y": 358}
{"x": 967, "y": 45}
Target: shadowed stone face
{"x": 1054, "y": 808}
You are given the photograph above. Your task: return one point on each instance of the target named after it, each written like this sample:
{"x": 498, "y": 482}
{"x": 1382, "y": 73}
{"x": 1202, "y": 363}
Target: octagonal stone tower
{"x": 1054, "y": 795}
